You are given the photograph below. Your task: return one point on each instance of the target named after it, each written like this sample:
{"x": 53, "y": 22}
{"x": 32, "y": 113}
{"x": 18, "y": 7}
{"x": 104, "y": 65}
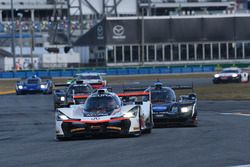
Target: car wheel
{"x": 194, "y": 122}
{"x": 137, "y": 134}
{"x": 148, "y": 131}
{"x": 50, "y": 91}
{"x": 62, "y": 138}
{"x": 215, "y": 82}
{"x": 55, "y": 106}
{"x": 150, "y": 124}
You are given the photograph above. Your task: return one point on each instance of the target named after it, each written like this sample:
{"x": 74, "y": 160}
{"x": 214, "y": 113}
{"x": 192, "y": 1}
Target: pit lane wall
{"x": 108, "y": 71}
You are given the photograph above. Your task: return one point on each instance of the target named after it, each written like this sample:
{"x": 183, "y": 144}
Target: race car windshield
{"x": 32, "y": 81}
{"x": 79, "y": 89}
{"x": 88, "y": 77}
{"x": 159, "y": 96}
{"x": 101, "y": 104}
{"x": 230, "y": 71}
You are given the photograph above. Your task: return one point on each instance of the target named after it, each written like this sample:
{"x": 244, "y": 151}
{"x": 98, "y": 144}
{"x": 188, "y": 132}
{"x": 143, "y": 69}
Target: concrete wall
{"x": 84, "y": 54}
{"x": 59, "y": 60}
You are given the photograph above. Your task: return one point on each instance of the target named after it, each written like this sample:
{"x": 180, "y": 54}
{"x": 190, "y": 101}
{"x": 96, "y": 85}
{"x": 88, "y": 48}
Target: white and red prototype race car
{"x": 105, "y": 112}
{"x": 94, "y": 79}
{"x": 231, "y": 74}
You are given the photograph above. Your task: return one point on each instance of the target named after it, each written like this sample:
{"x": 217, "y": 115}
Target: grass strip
{"x": 231, "y": 91}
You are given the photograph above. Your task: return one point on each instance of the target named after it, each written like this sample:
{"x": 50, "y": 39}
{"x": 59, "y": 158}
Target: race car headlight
{"x": 43, "y": 86}
{"x": 61, "y": 117}
{"x": 186, "y": 109}
{"x": 62, "y": 98}
{"x": 216, "y": 76}
{"x": 234, "y": 75}
{"x": 20, "y": 87}
{"x": 131, "y": 113}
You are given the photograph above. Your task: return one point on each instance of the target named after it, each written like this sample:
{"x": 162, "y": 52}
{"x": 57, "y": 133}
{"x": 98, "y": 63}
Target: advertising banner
{"x": 122, "y": 31}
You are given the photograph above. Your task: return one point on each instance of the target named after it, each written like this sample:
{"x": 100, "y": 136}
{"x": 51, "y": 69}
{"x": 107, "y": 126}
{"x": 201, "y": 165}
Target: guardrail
{"x": 108, "y": 71}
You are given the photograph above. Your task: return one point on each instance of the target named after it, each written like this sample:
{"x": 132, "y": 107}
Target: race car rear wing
{"x": 67, "y": 84}
{"x": 175, "y": 87}
{"x": 80, "y": 96}
{"x": 126, "y": 97}
{"x": 79, "y": 99}
{"x": 131, "y": 94}
{"x": 134, "y": 89}
{"x": 42, "y": 77}
{"x": 134, "y": 97}
{"x": 46, "y": 77}
{"x": 181, "y": 87}
{"x": 61, "y": 84}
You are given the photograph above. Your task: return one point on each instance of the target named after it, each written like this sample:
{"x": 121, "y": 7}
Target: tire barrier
{"x": 108, "y": 71}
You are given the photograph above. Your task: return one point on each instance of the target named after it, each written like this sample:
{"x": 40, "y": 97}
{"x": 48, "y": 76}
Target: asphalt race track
{"x": 27, "y": 139}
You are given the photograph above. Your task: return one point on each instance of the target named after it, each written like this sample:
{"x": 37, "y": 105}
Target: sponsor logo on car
{"x": 95, "y": 118}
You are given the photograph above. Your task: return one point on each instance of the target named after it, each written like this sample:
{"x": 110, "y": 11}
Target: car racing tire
{"x": 148, "y": 130}
{"x": 137, "y": 134}
{"x": 50, "y": 91}
{"x": 239, "y": 80}
{"x": 194, "y": 119}
{"x": 215, "y": 82}
{"x": 55, "y": 107}
{"x": 62, "y": 138}
{"x": 150, "y": 124}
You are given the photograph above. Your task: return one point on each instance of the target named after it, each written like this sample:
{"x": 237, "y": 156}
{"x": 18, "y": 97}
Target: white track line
{"x": 237, "y": 114}
{"x": 248, "y": 165}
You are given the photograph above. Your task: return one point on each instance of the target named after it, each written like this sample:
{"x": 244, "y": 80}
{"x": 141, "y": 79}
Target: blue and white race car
{"x": 34, "y": 84}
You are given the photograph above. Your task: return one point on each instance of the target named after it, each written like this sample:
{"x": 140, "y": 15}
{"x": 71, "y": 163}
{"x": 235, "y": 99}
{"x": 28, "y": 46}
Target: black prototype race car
{"x": 167, "y": 110}
{"x": 64, "y": 97}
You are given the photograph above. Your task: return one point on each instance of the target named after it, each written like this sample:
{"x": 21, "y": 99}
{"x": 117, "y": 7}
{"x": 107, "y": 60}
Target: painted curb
{"x": 7, "y": 92}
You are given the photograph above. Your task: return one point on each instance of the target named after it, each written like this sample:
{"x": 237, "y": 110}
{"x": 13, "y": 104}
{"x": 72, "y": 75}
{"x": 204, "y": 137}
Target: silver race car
{"x": 232, "y": 74}
{"x": 105, "y": 112}
{"x": 94, "y": 79}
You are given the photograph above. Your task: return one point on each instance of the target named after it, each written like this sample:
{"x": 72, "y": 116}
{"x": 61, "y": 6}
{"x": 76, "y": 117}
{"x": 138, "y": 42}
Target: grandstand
{"x": 55, "y": 22}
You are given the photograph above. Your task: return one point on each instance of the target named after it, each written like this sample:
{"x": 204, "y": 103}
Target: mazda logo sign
{"x": 118, "y": 30}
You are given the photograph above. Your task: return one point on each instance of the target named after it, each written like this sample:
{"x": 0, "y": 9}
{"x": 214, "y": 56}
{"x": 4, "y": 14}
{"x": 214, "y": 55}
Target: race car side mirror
{"x": 192, "y": 96}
